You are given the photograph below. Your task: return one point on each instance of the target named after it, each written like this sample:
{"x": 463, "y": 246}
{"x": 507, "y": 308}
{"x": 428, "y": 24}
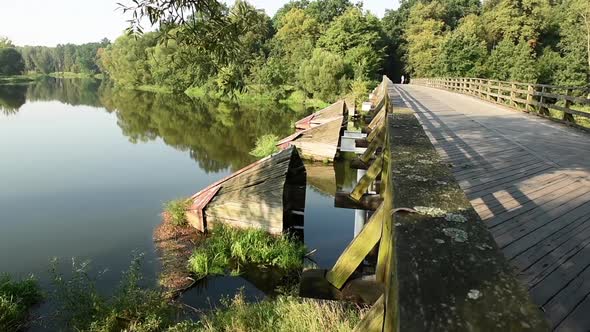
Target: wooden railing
{"x": 562, "y": 103}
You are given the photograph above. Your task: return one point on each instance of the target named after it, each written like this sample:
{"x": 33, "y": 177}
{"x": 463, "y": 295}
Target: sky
{"x": 52, "y": 22}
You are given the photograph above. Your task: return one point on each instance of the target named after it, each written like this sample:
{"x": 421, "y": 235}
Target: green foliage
{"x": 359, "y": 90}
{"x": 265, "y": 146}
{"x": 464, "y": 53}
{"x": 80, "y": 307}
{"x": 11, "y": 61}
{"x": 175, "y": 210}
{"x": 360, "y": 39}
{"x": 285, "y": 313}
{"x": 16, "y": 299}
{"x": 324, "y": 76}
{"x": 5, "y": 42}
{"x": 529, "y": 41}
{"x": 229, "y": 248}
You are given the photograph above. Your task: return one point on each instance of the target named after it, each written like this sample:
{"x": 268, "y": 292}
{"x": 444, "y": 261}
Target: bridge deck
{"x": 529, "y": 180}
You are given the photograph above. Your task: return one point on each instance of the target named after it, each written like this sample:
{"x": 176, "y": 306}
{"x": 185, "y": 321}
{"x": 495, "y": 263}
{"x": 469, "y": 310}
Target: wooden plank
{"x": 373, "y": 320}
{"x": 578, "y": 318}
{"x": 357, "y": 250}
{"x": 550, "y": 204}
{"x": 370, "y": 176}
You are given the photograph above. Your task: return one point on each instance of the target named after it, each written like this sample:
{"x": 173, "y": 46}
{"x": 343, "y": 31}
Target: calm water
{"x": 85, "y": 169}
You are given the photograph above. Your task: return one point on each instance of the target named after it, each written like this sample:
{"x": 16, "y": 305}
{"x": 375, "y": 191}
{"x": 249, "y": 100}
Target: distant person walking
{"x": 402, "y": 82}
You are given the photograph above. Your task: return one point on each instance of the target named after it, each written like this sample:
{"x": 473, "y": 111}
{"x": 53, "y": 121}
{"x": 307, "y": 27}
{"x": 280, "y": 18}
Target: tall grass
{"x": 130, "y": 308}
{"x": 285, "y": 313}
{"x": 228, "y": 248}
{"x": 265, "y": 146}
{"x": 16, "y": 298}
{"x": 175, "y": 211}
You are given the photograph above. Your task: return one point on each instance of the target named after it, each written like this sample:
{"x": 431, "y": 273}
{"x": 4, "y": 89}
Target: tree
{"x": 425, "y": 34}
{"x": 11, "y": 62}
{"x": 324, "y": 75}
{"x": 325, "y": 11}
{"x": 464, "y": 52}
{"x": 5, "y": 42}
{"x": 575, "y": 43}
{"x": 515, "y": 62}
{"x": 360, "y": 39}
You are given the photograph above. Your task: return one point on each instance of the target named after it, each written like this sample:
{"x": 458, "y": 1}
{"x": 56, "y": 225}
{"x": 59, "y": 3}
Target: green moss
{"x": 175, "y": 210}
{"x": 227, "y": 248}
{"x": 265, "y": 146}
{"x": 16, "y": 299}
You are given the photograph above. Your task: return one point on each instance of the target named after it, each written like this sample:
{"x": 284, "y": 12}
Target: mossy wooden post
{"x": 364, "y": 183}
{"x": 513, "y": 96}
{"x": 542, "y": 108}
{"x": 375, "y": 143}
{"x": 567, "y": 117}
{"x": 386, "y": 244}
{"x": 529, "y": 98}
{"x": 489, "y": 89}
{"x": 357, "y": 250}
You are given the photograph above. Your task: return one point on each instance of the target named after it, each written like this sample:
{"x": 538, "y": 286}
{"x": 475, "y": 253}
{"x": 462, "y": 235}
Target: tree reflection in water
{"x": 217, "y": 134}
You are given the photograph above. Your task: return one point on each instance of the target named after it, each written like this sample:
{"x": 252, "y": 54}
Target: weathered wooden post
{"x": 568, "y": 117}
{"x": 513, "y": 96}
{"x": 499, "y": 92}
{"x": 542, "y": 108}
{"x": 529, "y": 98}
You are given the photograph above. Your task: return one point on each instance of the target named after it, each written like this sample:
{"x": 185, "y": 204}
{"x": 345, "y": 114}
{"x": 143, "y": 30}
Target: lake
{"x": 85, "y": 169}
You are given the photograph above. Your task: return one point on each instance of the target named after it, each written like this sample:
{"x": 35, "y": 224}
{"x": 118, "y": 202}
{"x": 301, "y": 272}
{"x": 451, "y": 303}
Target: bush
{"x": 175, "y": 210}
{"x": 16, "y": 298}
{"x": 265, "y": 146}
{"x": 229, "y": 248}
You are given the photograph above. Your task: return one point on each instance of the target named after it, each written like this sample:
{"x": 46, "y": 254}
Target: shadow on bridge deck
{"x": 529, "y": 180}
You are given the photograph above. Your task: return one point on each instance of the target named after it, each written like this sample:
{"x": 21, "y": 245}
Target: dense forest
{"x": 328, "y": 48}
{"x": 544, "y": 41}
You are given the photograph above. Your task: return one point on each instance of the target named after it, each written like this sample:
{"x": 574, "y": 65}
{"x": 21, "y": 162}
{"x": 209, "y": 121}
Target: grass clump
{"x": 175, "y": 211}
{"x": 16, "y": 299}
{"x": 265, "y": 146}
{"x": 284, "y": 313}
{"x": 131, "y": 308}
{"x": 229, "y": 248}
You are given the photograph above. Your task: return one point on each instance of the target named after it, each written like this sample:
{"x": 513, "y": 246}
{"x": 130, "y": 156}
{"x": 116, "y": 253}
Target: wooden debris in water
{"x": 266, "y": 195}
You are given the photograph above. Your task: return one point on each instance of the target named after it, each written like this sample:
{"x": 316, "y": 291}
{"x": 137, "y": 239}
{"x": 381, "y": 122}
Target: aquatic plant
{"x": 265, "y": 146}
{"x": 228, "y": 248}
{"x": 16, "y": 299}
{"x": 80, "y": 307}
{"x": 175, "y": 211}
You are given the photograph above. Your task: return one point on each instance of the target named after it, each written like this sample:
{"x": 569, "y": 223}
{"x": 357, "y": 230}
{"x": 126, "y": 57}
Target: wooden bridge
{"x": 528, "y": 178}
{"x": 482, "y": 218}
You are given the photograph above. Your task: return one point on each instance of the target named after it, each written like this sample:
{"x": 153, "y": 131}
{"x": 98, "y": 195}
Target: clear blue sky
{"x": 50, "y": 22}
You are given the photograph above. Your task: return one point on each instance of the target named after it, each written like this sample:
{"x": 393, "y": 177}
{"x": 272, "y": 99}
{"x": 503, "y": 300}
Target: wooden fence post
{"x": 567, "y": 117}
{"x": 513, "y": 96}
{"x": 529, "y": 98}
{"x": 542, "y": 109}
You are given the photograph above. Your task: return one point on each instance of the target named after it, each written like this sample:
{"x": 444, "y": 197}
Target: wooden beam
{"x": 367, "y": 202}
{"x": 367, "y": 179}
{"x": 356, "y": 251}
{"x": 373, "y": 320}
{"x": 370, "y": 151}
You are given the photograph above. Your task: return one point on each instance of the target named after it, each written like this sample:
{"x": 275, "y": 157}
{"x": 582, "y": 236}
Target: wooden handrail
{"x": 539, "y": 99}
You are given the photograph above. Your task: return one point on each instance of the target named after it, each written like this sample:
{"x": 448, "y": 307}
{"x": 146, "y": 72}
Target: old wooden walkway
{"x": 529, "y": 180}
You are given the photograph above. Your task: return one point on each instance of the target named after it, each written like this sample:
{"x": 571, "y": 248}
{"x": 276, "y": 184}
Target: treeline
{"x": 45, "y": 60}
{"x": 544, "y": 41}
{"x": 322, "y": 47}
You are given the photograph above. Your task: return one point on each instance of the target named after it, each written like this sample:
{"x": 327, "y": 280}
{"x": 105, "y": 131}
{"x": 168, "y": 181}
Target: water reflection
{"x": 217, "y": 134}
{"x": 12, "y": 98}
